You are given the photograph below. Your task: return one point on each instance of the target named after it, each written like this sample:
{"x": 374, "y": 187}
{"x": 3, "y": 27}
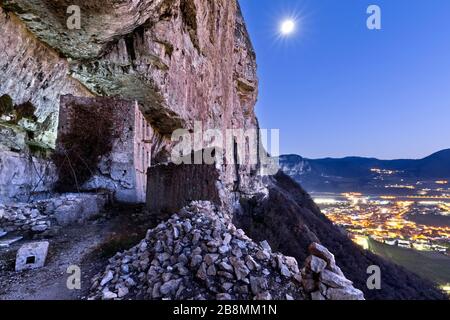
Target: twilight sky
{"x": 335, "y": 88}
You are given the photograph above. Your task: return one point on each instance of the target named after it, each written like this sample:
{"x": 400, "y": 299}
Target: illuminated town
{"x": 389, "y": 220}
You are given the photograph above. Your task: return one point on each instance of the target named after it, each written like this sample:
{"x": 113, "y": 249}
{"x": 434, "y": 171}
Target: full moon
{"x": 287, "y": 27}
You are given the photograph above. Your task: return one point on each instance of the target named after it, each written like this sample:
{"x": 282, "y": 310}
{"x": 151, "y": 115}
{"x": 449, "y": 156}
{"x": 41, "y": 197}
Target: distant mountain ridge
{"x": 359, "y": 171}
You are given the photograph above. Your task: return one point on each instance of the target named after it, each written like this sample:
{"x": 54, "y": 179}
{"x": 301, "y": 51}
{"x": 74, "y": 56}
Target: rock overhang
{"x": 102, "y": 22}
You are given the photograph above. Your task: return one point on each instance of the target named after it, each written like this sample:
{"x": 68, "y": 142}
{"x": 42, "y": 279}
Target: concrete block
{"x": 32, "y": 256}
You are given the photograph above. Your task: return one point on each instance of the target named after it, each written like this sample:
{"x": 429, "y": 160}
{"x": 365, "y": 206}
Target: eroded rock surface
{"x": 171, "y": 187}
{"x": 182, "y": 60}
{"x": 199, "y": 254}
{"x": 324, "y": 280}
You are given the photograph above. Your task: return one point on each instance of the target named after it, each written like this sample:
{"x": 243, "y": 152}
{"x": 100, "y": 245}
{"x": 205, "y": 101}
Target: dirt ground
{"x": 88, "y": 246}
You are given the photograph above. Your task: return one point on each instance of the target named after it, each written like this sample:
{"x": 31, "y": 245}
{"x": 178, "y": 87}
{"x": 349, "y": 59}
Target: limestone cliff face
{"x": 162, "y": 53}
{"x": 182, "y": 60}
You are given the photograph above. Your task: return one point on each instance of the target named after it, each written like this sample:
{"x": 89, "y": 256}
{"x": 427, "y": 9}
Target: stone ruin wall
{"x": 24, "y": 177}
{"x": 182, "y": 60}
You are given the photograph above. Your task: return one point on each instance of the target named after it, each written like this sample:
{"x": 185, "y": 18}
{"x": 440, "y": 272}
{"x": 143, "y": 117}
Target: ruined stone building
{"x": 123, "y": 165}
{"x": 107, "y": 98}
